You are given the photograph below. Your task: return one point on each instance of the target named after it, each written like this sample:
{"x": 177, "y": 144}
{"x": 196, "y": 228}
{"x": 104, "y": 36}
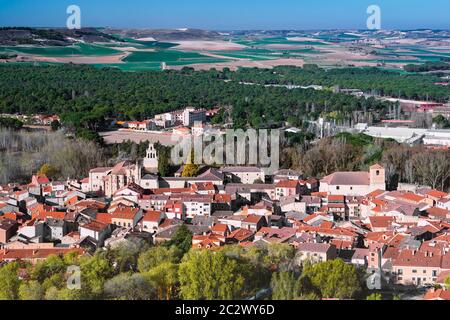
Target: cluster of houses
{"x": 36, "y": 119}
{"x": 184, "y": 118}
{"x": 404, "y": 234}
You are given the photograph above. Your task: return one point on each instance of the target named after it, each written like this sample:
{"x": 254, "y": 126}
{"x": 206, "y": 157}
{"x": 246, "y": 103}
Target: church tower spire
{"x": 151, "y": 159}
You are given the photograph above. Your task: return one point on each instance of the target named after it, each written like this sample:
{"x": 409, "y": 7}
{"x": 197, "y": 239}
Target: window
{"x": 400, "y": 271}
{"x": 435, "y": 273}
{"x": 338, "y": 187}
{"x": 378, "y": 172}
{"x": 414, "y": 271}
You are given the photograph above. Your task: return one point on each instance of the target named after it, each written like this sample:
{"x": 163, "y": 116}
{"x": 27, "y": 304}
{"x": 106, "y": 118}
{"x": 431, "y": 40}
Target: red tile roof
{"x": 438, "y": 212}
{"x": 95, "y": 226}
{"x": 219, "y": 228}
{"x": 241, "y": 234}
{"x": 252, "y": 218}
{"x": 152, "y": 216}
{"x": 412, "y": 197}
{"x": 104, "y": 217}
{"x": 381, "y": 222}
{"x": 413, "y": 258}
{"x": 222, "y": 198}
{"x": 43, "y": 215}
{"x": 40, "y": 179}
{"x": 291, "y": 184}
{"x": 437, "y": 294}
{"x": 125, "y": 213}
{"x": 375, "y": 193}
{"x": 336, "y": 198}
{"x": 28, "y": 254}
{"x": 436, "y": 194}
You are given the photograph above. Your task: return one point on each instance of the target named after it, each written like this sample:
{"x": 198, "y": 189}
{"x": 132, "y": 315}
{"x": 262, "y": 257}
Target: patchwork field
{"x": 324, "y": 49}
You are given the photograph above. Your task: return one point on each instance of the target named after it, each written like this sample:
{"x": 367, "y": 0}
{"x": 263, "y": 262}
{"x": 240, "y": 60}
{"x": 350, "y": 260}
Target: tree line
{"x": 370, "y": 80}
{"x": 87, "y": 98}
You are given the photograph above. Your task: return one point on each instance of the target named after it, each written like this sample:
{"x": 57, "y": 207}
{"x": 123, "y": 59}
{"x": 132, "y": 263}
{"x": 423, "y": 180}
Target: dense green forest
{"x": 370, "y": 80}
{"x": 428, "y": 66}
{"x": 85, "y": 96}
{"x": 10, "y": 123}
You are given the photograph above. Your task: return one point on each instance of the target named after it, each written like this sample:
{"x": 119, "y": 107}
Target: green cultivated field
{"x": 171, "y": 57}
{"x": 78, "y": 49}
{"x": 314, "y": 51}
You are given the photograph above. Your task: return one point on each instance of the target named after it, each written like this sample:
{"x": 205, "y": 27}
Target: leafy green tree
{"x": 31, "y": 290}
{"x": 163, "y": 159}
{"x": 190, "y": 169}
{"x": 9, "y": 281}
{"x": 375, "y": 296}
{"x": 441, "y": 121}
{"x": 284, "y": 286}
{"x": 129, "y": 287}
{"x": 158, "y": 255}
{"x": 48, "y": 171}
{"x": 57, "y": 280}
{"x": 44, "y": 270}
{"x": 94, "y": 273}
{"x": 124, "y": 257}
{"x": 10, "y": 123}
{"x": 251, "y": 267}
{"x": 334, "y": 279}
{"x": 206, "y": 275}
{"x": 182, "y": 239}
{"x": 280, "y": 255}
{"x": 447, "y": 282}
{"x": 53, "y": 293}
{"x": 55, "y": 125}
{"x": 89, "y": 135}
{"x": 164, "y": 278}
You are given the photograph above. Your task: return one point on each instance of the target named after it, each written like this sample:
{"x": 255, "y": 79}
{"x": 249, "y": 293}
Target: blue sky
{"x": 229, "y": 14}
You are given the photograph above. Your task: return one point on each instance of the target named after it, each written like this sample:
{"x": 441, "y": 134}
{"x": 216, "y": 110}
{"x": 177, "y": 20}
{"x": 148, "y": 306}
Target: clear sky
{"x": 228, "y": 14}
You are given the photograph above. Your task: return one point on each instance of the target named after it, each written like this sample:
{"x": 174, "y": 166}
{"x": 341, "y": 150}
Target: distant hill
{"x": 50, "y": 37}
{"x": 166, "y": 34}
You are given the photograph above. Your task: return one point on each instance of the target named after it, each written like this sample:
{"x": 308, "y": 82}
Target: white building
{"x": 437, "y": 137}
{"x": 358, "y": 183}
{"x": 190, "y": 116}
{"x": 244, "y": 175}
